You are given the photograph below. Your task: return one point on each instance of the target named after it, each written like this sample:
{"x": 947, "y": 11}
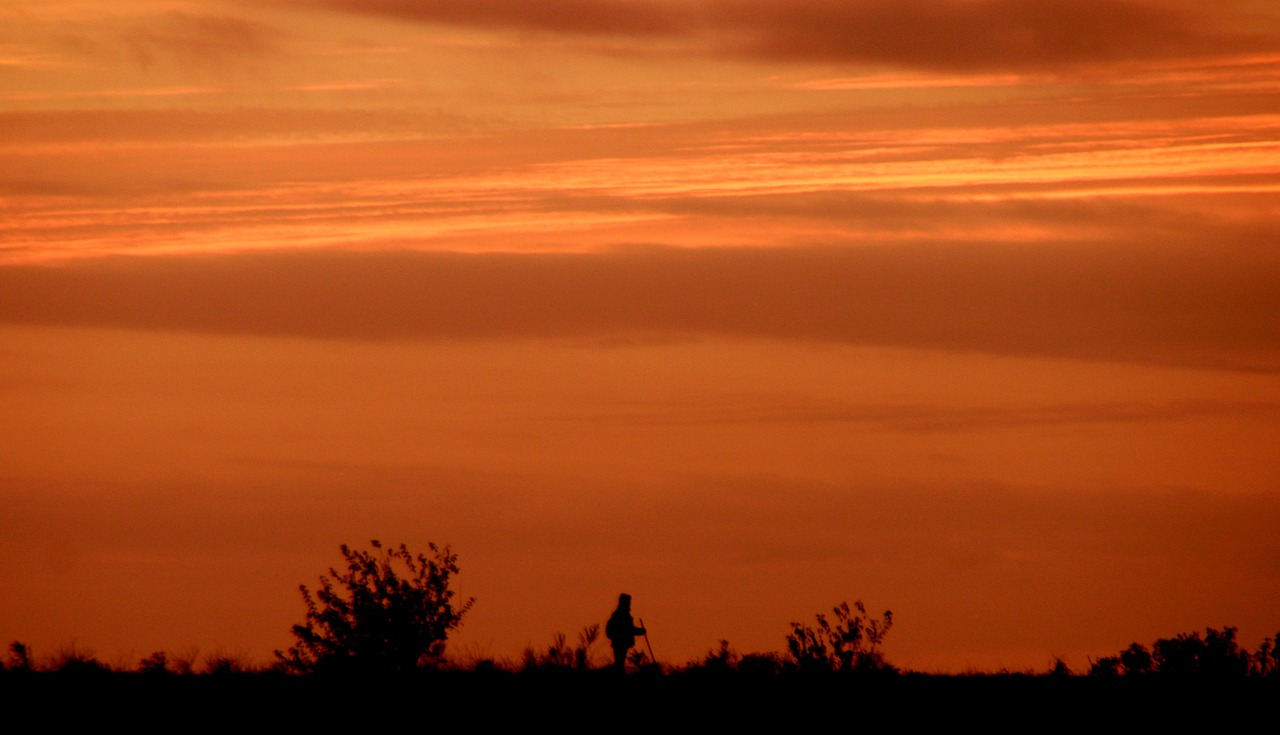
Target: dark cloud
{"x": 198, "y": 38}
{"x": 1165, "y": 305}
{"x": 979, "y": 35}
{"x": 157, "y": 41}
{"x": 936, "y": 34}
{"x": 930, "y": 418}
{"x": 196, "y": 126}
{"x": 593, "y": 17}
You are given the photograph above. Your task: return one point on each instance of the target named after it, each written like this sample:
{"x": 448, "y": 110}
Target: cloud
{"x": 37, "y": 128}
{"x": 919, "y": 418}
{"x": 197, "y": 39}
{"x": 1167, "y": 306}
{"x": 157, "y": 41}
{"x": 932, "y": 34}
{"x": 589, "y": 17}
{"x": 988, "y": 34}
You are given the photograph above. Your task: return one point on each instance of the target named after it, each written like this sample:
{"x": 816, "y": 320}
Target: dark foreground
{"x": 590, "y": 700}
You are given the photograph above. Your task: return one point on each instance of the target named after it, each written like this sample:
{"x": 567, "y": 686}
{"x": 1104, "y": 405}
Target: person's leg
{"x": 620, "y": 659}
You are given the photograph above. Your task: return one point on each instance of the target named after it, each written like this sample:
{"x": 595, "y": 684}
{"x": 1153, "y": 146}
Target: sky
{"x": 969, "y": 309}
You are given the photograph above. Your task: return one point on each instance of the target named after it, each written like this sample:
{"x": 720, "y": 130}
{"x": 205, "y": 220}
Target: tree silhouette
{"x": 1215, "y": 655}
{"x": 387, "y": 612}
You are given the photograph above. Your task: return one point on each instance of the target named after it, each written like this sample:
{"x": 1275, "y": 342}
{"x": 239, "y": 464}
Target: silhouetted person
{"x": 622, "y": 631}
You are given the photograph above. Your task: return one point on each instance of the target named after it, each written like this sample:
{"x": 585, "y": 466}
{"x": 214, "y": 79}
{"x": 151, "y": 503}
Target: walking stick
{"x": 647, "y": 643}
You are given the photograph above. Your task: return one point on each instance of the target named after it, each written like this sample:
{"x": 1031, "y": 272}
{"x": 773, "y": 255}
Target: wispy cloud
{"x": 151, "y": 37}
{"x": 932, "y": 34}
{"x": 921, "y": 418}
{"x": 197, "y": 39}
{"x": 193, "y": 181}
{"x": 170, "y": 91}
{"x": 23, "y": 56}
{"x": 988, "y": 34}
{"x": 1157, "y": 306}
{"x": 354, "y": 86}
{"x": 914, "y": 81}
{"x": 589, "y": 17}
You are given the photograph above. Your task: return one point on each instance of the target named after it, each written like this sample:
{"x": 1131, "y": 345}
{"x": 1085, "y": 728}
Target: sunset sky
{"x": 969, "y": 309}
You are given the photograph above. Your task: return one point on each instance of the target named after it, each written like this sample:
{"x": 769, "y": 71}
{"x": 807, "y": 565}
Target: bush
{"x": 852, "y": 643}
{"x": 1214, "y": 655}
{"x": 389, "y": 611}
{"x": 155, "y": 664}
{"x": 721, "y": 659}
{"x": 761, "y": 664}
{"x": 71, "y": 660}
{"x": 19, "y": 656}
{"x": 1136, "y": 659}
{"x": 560, "y": 656}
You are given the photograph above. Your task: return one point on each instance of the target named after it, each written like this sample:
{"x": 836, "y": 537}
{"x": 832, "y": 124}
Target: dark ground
{"x": 592, "y": 700}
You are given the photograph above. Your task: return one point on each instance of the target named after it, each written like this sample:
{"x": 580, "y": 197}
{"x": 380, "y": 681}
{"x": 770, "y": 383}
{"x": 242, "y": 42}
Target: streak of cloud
{"x": 622, "y": 17}
{"x": 76, "y": 41}
{"x": 989, "y": 34}
{"x": 917, "y": 418}
{"x": 199, "y": 180}
{"x": 931, "y": 34}
{"x": 1159, "y": 306}
{"x": 197, "y": 39}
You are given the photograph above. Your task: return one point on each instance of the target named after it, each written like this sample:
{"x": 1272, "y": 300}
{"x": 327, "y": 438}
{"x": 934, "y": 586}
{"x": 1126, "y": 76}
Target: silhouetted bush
{"x": 761, "y": 664}
{"x": 721, "y": 659}
{"x": 71, "y": 660}
{"x": 389, "y": 611}
{"x": 19, "y": 656}
{"x": 1136, "y": 659}
{"x": 1105, "y": 667}
{"x": 1264, "y": 660}
{"x": 1221, "y": 656}
{"x": 556, "y": 655}
{"x": 155, "y": 664}
{"x": 183, "y": 663}
{"x": 559, "y": 655}
{"x": 852, "y": 643}
{"x": 1215, "y": 655}
{"x": 582, "y": 653}
{"x": 222, "y": 665}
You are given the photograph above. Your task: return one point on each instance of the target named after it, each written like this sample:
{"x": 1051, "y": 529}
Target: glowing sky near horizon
{"x": 970, "y": 309}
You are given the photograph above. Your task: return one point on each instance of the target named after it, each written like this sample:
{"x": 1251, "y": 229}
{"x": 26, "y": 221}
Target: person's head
{"x": 624, "y": 601}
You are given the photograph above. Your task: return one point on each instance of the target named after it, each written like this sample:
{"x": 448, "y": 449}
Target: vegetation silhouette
{"x": 155, "y": 664}
{"x": 835, "y": 665}
{"x": 850, "y": 643}
{"x": 390, "y": 611}
{"x": 1215, "y": 655}
{"x": 560, "y": 656}
{"x": 19, "y": 656}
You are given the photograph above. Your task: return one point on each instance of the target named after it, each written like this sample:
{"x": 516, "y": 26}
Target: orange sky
{"x": 967, "y": 308}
